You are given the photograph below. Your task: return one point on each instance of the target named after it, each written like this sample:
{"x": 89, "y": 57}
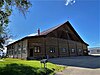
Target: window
{"x": 73, "y": 50}
{"x": 85, "y": 51}
{"x": 15, "y": 52}
{"x": 98, "y": 50}
{"x": 19, "y": 51}
{"x": 12, "y": 47}
{"x": 10, "y": 52}
{"x": 9, "y": 47}
{"x": 24, "y": 50}
{"x": 19, "y": 46}
{"x": 80, "y": 50}
{"x": 52, "y": 50}
{"x": 63, "y": 49}
{"x": 37, "y": 49}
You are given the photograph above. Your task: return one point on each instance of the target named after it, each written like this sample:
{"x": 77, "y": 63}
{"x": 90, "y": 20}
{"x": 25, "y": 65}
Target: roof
{"x": 49, "y": 30}
{"x": 76, "y": 33}
{"x": 44, "y": 33}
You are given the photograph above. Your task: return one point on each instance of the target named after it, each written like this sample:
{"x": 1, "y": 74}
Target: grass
{"x": 11, "y": 66}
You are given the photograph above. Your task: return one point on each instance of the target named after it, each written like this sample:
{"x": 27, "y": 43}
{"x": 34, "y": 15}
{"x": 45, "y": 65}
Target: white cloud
{"x": 11, "y": 41}
{"x": 69, "y": 2}
{"x": 33, "y": 34}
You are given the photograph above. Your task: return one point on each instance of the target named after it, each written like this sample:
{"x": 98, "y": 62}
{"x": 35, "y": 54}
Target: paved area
{"x": 80, "y": 65}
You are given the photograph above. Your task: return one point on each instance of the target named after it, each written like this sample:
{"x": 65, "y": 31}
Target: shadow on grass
{"x": 19, "y": 69}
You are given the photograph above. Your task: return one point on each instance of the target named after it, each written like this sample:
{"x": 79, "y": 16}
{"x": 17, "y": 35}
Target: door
{"x": 31, "y": 52}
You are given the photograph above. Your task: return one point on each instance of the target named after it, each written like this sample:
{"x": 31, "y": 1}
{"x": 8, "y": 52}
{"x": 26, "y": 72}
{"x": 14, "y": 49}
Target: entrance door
{"x": 31, "y": 52}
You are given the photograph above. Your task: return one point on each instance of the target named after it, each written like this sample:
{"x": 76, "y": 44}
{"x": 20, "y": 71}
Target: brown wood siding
{"x": 85, "y": 49}
{"x": 36, "y": 42}
{"x": 63, "y": 44}
{"x": 79, "y": 48}
{"x": 72, "y": 45}
{"x": 51, "y": 42}
{"x": 16, "y": 51}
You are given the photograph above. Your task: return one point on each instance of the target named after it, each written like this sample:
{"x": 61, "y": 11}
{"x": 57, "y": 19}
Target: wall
{"x": 36, "y": 42}
{"x": 72, "y": 48}
{"x": 79, "y": 48}
{"x": 51, "y": 43}
{"x": 18, "y": 50}
{"x": 63, "y": 48}
{"x": 85, "y": 49}
{"x": 24, "y": 49}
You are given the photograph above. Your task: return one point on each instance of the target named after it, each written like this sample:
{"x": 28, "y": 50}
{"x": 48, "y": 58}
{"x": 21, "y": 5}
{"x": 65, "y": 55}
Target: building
{"x": 59, "y": 41}
{"x": 95, "y": 50}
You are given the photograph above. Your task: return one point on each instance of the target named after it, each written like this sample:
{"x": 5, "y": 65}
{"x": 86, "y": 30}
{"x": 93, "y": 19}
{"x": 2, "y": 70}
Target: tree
{"x": 6, "y": 9}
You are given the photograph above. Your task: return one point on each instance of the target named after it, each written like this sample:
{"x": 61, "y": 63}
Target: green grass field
{"x": 11, "y": 66}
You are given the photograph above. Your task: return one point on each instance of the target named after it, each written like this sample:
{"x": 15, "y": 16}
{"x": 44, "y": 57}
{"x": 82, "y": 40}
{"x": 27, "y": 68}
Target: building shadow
{"x": 92, "y": 62}
{"x": 16, "y": 69}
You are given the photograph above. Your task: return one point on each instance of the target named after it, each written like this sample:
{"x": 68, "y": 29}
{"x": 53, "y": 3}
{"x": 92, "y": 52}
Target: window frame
{"x": 72, "y": 50}
{"x": 37, "y": 49}
{"x": 79, "y": 50}
{"x": 52, "y": 49}
{"x": 63, "y": 50}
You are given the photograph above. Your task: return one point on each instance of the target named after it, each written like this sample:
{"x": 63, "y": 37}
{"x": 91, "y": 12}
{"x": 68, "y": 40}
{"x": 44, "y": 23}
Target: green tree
{"x": 6, "y": 9}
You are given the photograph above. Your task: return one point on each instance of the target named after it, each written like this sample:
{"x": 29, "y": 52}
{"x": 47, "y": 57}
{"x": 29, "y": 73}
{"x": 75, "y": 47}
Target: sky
{"x": 84, "y": 16}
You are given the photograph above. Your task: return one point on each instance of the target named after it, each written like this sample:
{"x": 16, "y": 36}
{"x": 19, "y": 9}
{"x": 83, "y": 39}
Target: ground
{"x": 80, "y": 65}
{"x": 9, "y": 66}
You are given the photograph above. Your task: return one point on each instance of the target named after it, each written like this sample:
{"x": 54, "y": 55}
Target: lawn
{"x": 11, "y": 66}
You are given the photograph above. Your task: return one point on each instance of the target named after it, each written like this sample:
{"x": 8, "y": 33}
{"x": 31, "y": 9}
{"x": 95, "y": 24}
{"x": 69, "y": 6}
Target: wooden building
{"x": 59, "y": 41}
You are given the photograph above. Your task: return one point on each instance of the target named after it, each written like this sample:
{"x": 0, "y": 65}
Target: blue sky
{"x": 84, "y": 15}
